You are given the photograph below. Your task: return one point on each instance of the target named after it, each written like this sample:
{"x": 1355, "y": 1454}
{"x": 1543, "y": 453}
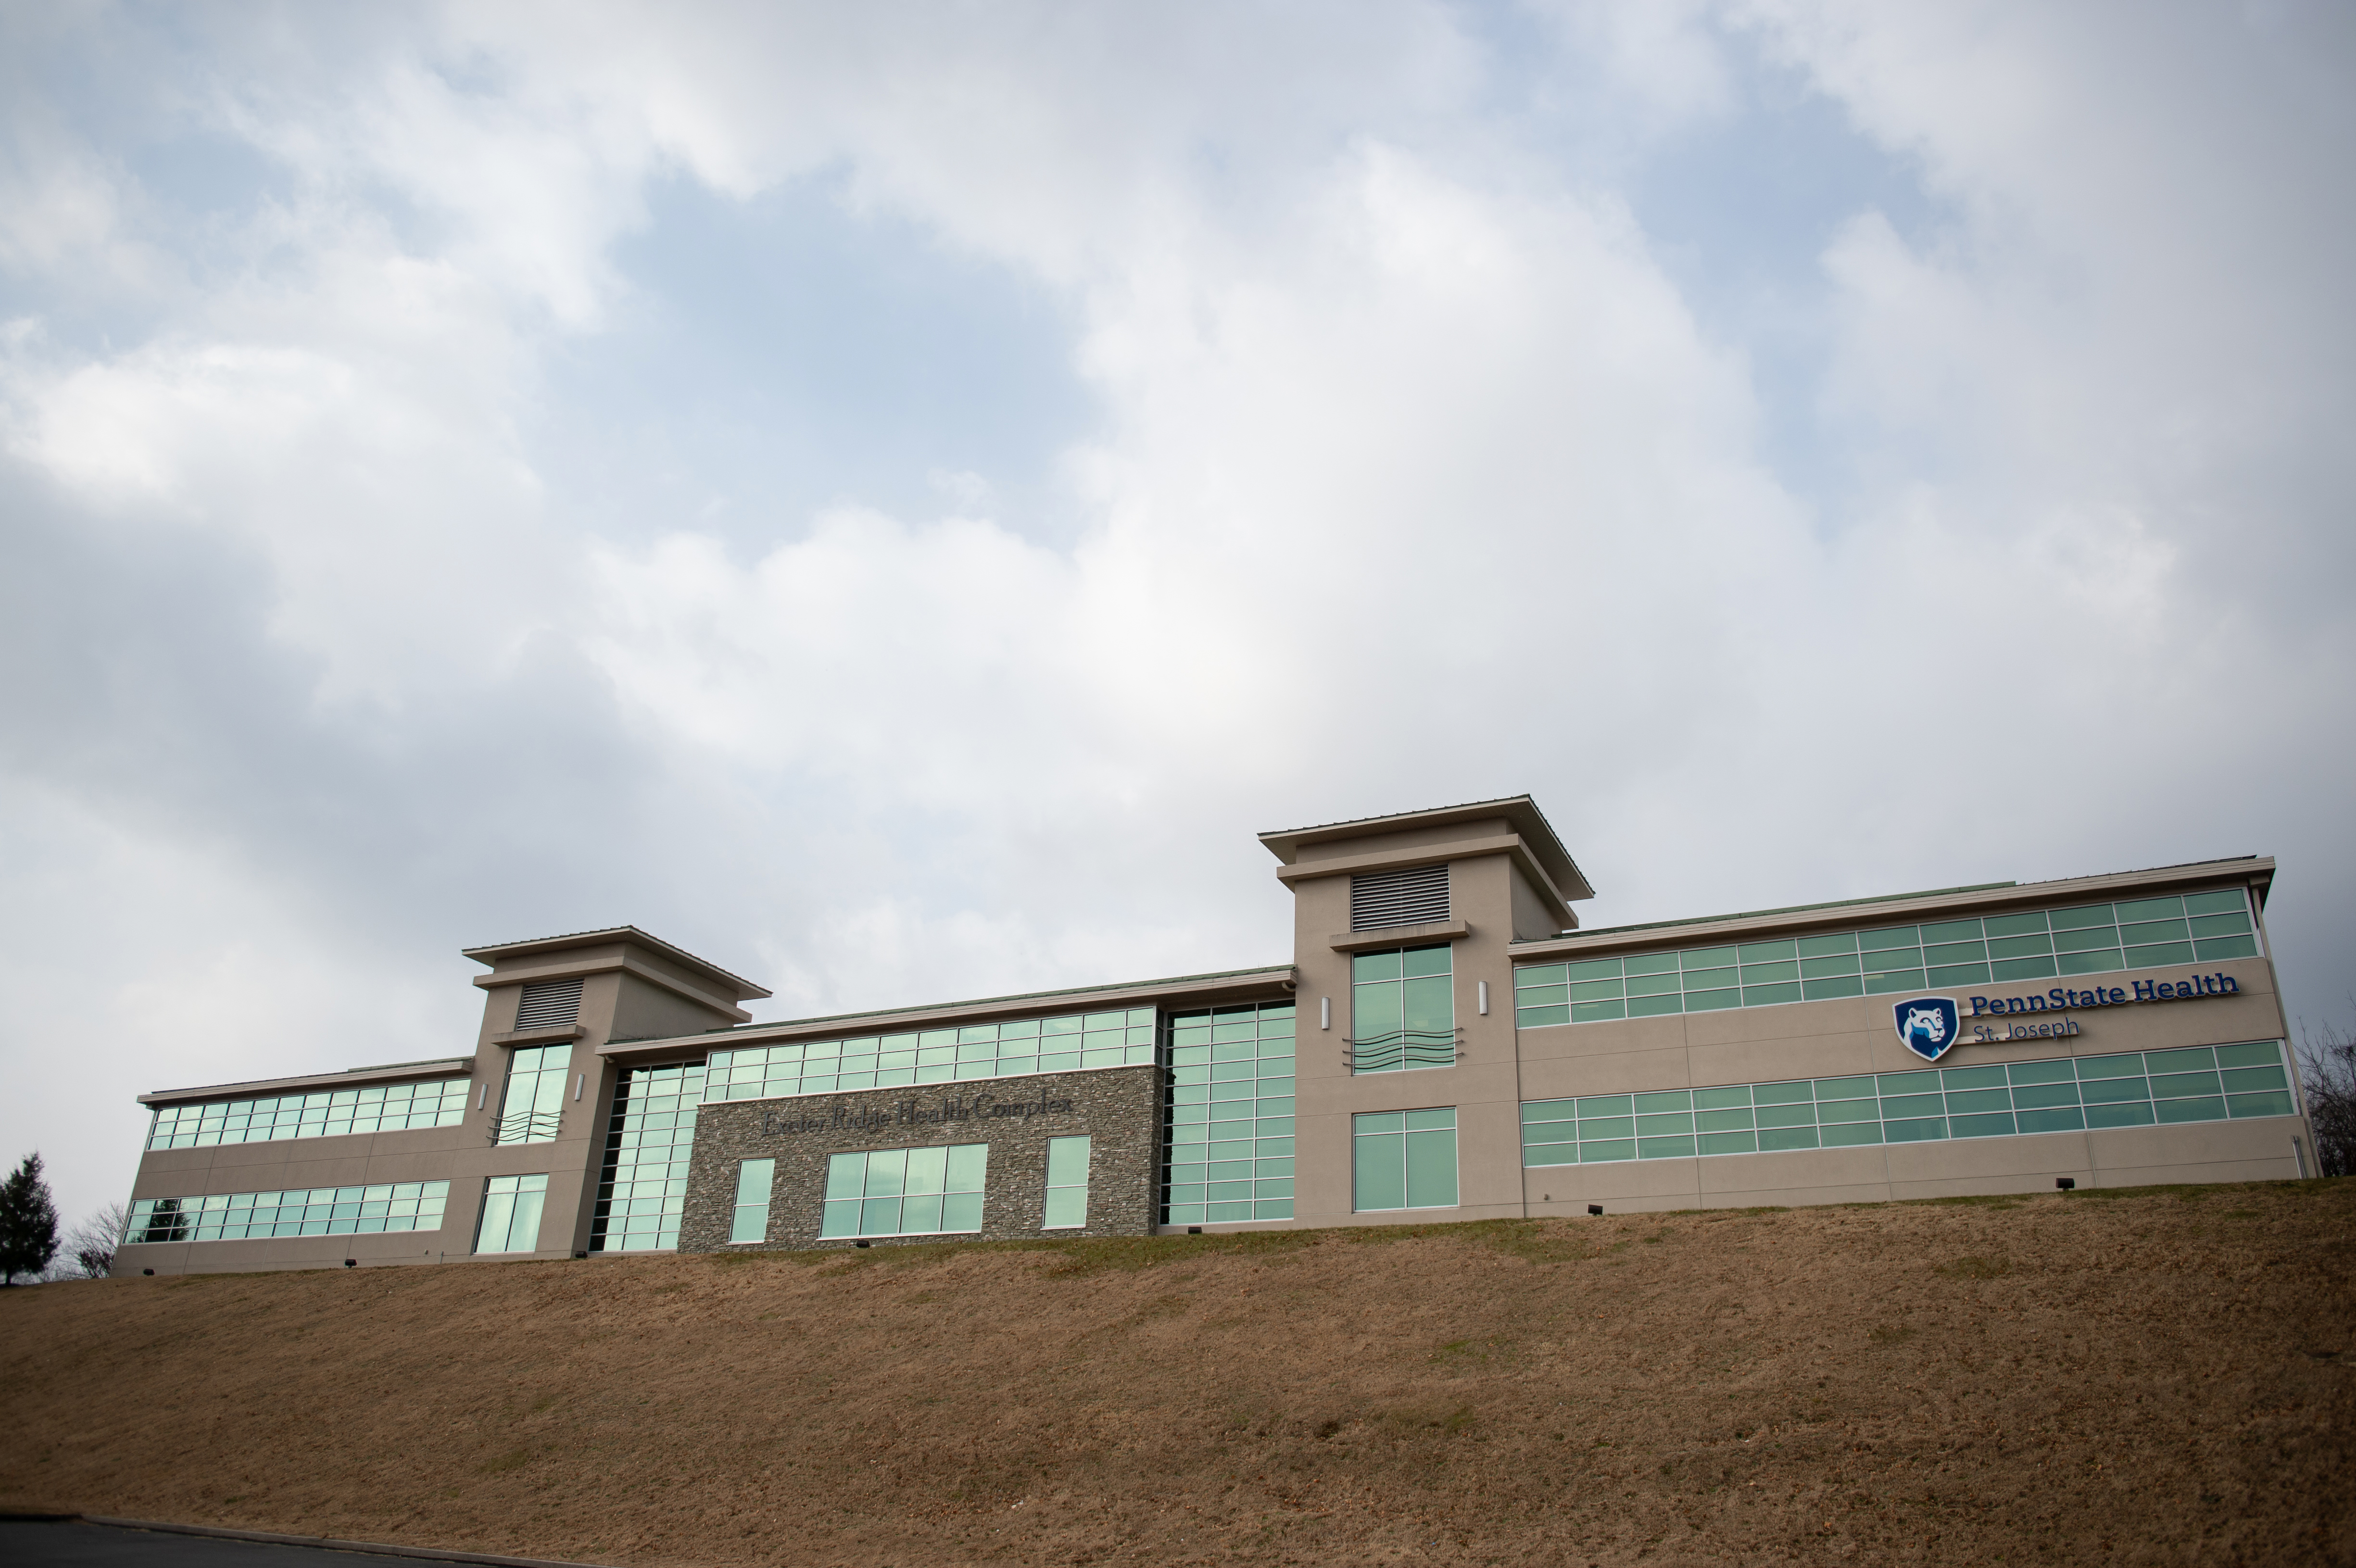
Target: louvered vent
{"x": 1399, "y": 898}
{"x": 551, "y": 1004}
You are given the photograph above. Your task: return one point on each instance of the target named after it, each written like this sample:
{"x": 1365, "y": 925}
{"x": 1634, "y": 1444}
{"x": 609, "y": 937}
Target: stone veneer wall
{"x": 1119, "y": 1108}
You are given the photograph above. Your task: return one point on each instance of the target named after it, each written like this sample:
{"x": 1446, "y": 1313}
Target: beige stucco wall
{"x": 1500, "y": 1070}
{"x": 463, "y": 1156}
{"x": 1483, "y": 1087}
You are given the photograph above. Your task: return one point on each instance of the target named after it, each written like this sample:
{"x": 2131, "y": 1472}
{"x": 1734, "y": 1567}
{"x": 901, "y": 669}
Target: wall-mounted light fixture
{"x": 578, "y": 1079}
{"x": 1324, "y": 1012}
{"x": 1484, "y": 998}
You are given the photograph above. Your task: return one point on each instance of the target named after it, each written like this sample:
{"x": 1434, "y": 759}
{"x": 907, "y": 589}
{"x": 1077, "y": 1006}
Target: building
{"x": 1444, "y": 1042}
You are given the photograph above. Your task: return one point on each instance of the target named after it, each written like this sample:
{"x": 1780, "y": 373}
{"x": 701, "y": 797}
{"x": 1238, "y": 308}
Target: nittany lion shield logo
{"x": 1928, "y": 1025}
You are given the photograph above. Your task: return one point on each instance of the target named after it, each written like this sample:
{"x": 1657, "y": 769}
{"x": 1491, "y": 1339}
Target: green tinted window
{"x": 380, "y": 1210}
{"x": 751, "y": 1221}
{"x": 392, "y": 1108}
{"x": 905, "y": 1191}
{"x": 1403, "y": 1160}
{"x": 2003, "y": 949}
{"x": 2128, "y": 912}
{"x": 1403, "y": 1010}
{"x": 1067, "y": 1184}
{"x": 2229, "y": 901}
{"x": 1250, "y": 1176}
{"x": 648, "y": 1136}
{"x": 1937, "y": 1104}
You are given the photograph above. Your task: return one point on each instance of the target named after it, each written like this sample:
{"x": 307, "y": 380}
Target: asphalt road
{"x": 78, "y": 1543}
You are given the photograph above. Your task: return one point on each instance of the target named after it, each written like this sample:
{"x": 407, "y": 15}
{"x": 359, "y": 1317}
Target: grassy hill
{"x": 2160, "y": 1377}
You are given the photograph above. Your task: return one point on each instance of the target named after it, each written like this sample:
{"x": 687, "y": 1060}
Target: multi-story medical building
{"x": 1444, "y": 1042}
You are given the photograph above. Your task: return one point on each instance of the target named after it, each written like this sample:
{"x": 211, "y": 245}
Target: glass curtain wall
{"x": 1402, "y": 1009}
{"x": 647, "y": 1140}
{"x": 1228, "y": 1153}
{"x": 2083, "y": 939}
{"x": 305, "y": 1211}
{"x": 1059, "y": 1044}
{"x": 380, "y": 1108}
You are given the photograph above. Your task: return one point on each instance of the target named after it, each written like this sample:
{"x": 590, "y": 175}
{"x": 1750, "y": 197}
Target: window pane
{"x": 968, "y": 1164}
{"x": 1426, "y": 961}
{"x": 1067, "y": 1161}
{"x": 846, "y": 1176}
{"x": 2215, "y": 947}
{"x": 928, "y": 1168}
{"x": 1379, "y": 1170}
{"x": 1429, "y": 1006}
{"x": 2130, "y": 910}
{"x": 2224, "y": 900}
{"x": 1432, "y": 1169}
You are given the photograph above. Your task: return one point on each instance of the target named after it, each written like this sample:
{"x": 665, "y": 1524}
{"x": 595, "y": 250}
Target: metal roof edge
{"x": 451, "y": 1066}
{"x": 485, "y": 953}
{"x": 1990, "y": 891}
{"x": 715, "y": 1039}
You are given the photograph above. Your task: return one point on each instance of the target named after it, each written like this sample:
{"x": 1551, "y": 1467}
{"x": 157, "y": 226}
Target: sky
{"x": 892, "y": 499}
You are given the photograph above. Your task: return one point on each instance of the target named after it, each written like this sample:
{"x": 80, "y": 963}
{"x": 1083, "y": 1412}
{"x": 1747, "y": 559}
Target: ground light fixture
{"x": 863, "y": 1243}
{"x": 1595, "y": 1208}
{"x": 351, "y": 1262}
{"x": 2065, "y": 1184}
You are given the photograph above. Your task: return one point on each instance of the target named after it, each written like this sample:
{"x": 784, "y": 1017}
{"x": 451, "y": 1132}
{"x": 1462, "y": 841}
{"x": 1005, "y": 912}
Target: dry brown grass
{"x": 2158, "y": 1377}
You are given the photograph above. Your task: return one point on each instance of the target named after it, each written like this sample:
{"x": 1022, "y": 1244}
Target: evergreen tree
{"x": 28, "y": 1222}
